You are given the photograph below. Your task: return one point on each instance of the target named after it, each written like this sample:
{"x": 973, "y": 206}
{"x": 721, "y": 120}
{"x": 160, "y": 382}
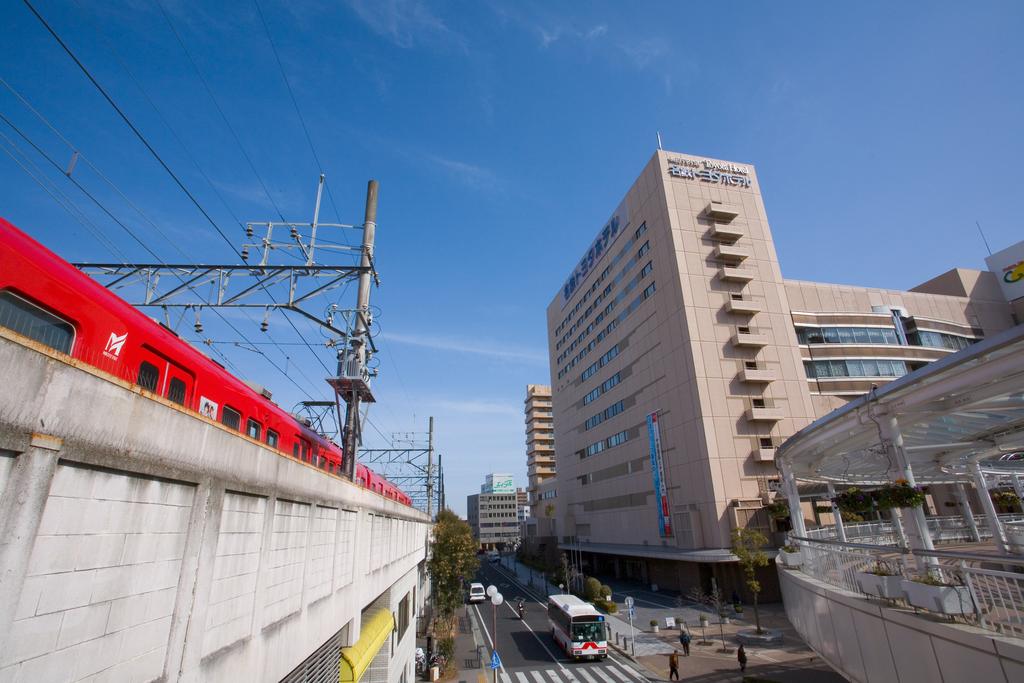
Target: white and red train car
{"x": 45, "y": 298}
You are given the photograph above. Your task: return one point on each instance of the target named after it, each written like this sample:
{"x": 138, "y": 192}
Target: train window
{"x": 305, "y": 451}
{"x": 231, "y": 418}
{"x": 295, "y": 449}
{"x": 272, "y": 438}
{"x": 149, "y": 375}
{"x": 35, "y": 323}
{"x": 254, "y": 429}
{"x": 176, "y": 391}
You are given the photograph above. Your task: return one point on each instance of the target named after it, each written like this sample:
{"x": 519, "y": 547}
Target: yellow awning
{"x": 355, "y": 659}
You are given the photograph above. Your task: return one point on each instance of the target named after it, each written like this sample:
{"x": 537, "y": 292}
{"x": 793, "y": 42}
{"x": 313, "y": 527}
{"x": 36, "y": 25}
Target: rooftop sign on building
{"x": 1008, "y": 266}
{"x": 498, "y": 483}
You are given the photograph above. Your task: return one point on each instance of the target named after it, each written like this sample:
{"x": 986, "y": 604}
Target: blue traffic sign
{"x": 495, "y": 660}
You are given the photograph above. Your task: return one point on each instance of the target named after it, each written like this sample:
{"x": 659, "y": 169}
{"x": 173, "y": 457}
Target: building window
{"x": 231, "y": 418}
{"x": 640, "y": 231}
{"x": 855, "y": 367}
{"x": 253, "y": 428}
{"x": 847, "y": 335}
{"x": 940, "y": 340}
{"x": 33, "y": 322}
{"x": 648, "y": 291}
{"x": 148, "y": 377}
{"x": 647, "y": 269}
{"x": 644, "y": 248}
{"x": 591, "y": 396}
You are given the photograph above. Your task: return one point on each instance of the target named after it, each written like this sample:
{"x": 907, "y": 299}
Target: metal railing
{"x": 947, "y": 529}
{"x": 986, "y": 590}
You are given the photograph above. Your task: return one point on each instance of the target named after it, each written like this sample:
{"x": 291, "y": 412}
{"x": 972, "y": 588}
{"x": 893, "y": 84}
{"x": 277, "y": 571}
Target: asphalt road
{"x": 527, "y": 650}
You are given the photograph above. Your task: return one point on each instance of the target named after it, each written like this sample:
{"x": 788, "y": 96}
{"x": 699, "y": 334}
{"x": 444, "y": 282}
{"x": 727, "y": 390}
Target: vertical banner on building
{"x": 658, "y": 471}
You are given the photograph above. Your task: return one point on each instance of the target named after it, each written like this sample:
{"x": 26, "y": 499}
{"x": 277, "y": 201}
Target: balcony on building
{"x": 735, "y": 274}
{"x": 742, "y": 306}
{"x": 764, "y": 454}
{"x": 749, "y": 337}
{"x": 730, "y": 253}
{"x": 726, "y": 232}
{"x": 763, "y": 411}
{"x": 719, "y": 211}
{"x": 758, "y": 375}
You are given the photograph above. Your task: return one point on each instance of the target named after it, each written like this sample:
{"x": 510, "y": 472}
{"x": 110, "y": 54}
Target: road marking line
{"x": 550, "y": 654}
{"x": 618, "y": 674}
{"x": 505, "y": 678}
{"x": 521, "y": 677}
{"x": 537, "y": 677}
{"x": 630, "y": 671}
{"x": 480, "y": 620}
{"x": 553, "y": 677}
{"x": 604, "y": 677}
{"x": 582, "y": 672}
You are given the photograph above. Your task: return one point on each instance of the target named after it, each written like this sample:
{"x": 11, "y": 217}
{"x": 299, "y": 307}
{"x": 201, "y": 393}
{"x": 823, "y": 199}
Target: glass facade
{"x": 940, "y": 340}
{"x": 854, "y": 367}
{"x": 847, "y": 335}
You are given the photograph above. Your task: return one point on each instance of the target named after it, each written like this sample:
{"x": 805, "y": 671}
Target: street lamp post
{"x": 496, "y": 600}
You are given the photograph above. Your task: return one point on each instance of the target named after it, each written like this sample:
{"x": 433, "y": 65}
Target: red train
{"x": 45, "y": 298}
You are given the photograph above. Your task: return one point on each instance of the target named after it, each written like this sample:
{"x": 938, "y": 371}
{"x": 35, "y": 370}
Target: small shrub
{"x": 790, "y": 549}
{"x": 606, "y": 590}
{"x": 592, "y": 589}
{"x": 654, "y": 622}
{"x": 882, "y": 569}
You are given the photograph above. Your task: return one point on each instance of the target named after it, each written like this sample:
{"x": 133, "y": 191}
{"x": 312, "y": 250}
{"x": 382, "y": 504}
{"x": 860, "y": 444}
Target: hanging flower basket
{"x": 1005, "y": 499}
{"x": 855, "y": 501}
{"x": 899, "y": 495}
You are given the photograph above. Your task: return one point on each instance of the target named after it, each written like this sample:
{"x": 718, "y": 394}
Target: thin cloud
{"x": 644, "y": 52}
{"x": 477, "y": 347}
{"x": 469, "y": 174}
{"x": 407, "y": 23}
{"x": 549, "y": 36}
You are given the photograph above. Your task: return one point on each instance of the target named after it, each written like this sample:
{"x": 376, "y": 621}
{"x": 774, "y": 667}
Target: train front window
{"x": 231, "y": 418}
{"x": 272, "y": 438}
{"x": 176, "y": 391}
{"x": 35, "y": 323}
{"x": 149, "y": 375}
{"x": 254, "y": 429}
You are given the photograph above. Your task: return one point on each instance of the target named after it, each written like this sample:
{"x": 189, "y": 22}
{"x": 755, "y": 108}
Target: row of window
{"x": 847, "y": 335}
{"x": 33, "y": 322}
{"x": 880, "y": 335}
{"x": 593, "y": 288}
{"x": 605, "y": 386}
{"x": 608, "y": 413}
{"x": 613, "y": 324}
{"x": 608, "y": 309}
{"x": 611, "y": 442}
{"x": 600, "y": 363}
{"x": 549, "y": 494}
{"x": 855, "y": 367}
{"x": 940, "y": 340}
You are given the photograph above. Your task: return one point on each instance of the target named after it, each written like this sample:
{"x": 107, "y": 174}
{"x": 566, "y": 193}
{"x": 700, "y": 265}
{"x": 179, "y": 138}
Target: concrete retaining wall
{"x": 142, "y": 542}
{"x": 869, "y": 642}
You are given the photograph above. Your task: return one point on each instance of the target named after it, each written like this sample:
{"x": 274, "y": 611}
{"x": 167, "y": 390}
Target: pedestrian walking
{"x": 741, "y": 657}
{"x": 685, "y": 639}
{"x": 673, "y": 666}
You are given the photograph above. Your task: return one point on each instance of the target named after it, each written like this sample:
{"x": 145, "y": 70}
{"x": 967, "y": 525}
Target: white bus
{"x": 579, "y": 629}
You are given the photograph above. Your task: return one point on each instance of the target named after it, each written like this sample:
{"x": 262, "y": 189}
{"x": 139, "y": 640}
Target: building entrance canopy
{"x": 965, "y": 408}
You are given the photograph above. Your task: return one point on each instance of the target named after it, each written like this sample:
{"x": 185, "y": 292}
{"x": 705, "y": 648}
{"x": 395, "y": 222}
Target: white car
{"x": 477, "y": 592}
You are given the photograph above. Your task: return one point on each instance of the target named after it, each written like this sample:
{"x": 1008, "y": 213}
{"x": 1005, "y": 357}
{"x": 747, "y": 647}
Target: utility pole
{"x": 352, "y": 383}
{"x": 430, "y": 469}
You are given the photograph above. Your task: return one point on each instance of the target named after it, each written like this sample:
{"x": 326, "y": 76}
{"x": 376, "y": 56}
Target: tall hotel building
{"x": 680, "y": 358}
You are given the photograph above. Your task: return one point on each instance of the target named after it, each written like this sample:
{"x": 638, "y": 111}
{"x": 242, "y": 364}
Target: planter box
{"x": 791, "y": 559}
{"x": 1015, "y": 536}
{"x": 890, "y": 587}
{"x": 939, "y": 599}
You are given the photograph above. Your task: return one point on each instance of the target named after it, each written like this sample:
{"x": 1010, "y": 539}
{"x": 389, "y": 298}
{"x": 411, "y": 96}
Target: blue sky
{"x": 503, "y": 134}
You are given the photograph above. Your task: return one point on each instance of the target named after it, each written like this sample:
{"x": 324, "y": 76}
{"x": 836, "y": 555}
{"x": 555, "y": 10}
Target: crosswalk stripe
{"x": 505, "y": 678}
{"x": 552, "y": 676}
{"x": 582, "y": 672}
{"x": 521, "y": 677}
{"x": 618, "y": 674}
{"x": 603, "y": 675}
{"x": 537, "y": 677}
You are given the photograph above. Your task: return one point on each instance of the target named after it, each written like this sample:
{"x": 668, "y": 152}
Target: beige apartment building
{"x": 540, "y": 442}
{"x": 680, "y": 358}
